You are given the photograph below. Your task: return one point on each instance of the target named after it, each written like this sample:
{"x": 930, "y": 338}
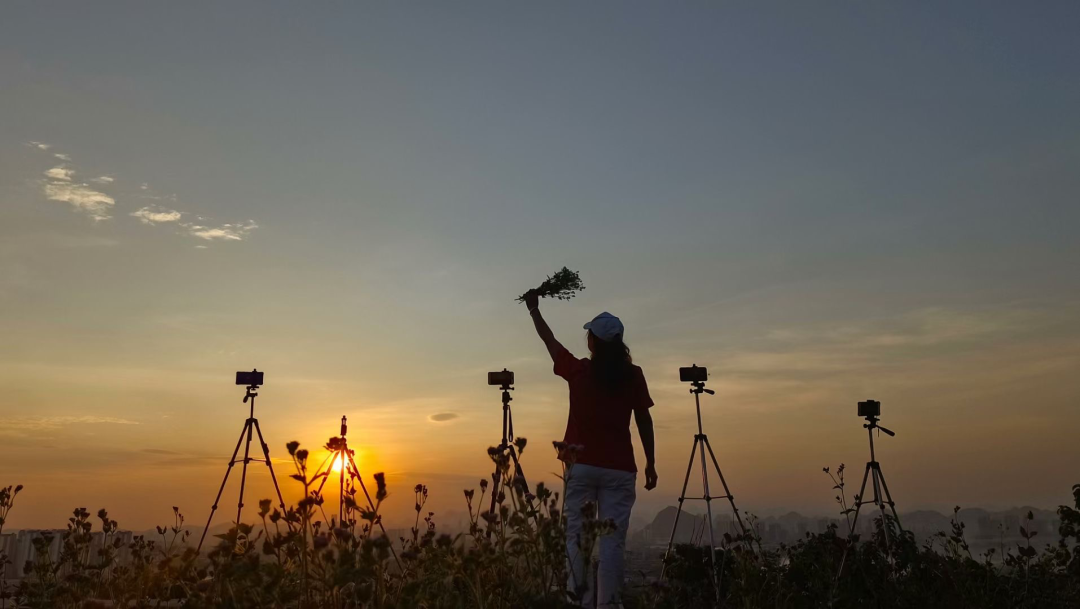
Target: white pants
{"x": 614, "y": 492}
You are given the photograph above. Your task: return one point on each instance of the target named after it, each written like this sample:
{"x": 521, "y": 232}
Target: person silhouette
{"x": 598, "y": 461}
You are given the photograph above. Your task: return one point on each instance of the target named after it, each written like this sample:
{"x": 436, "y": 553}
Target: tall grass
{"x": 516, "y": 557}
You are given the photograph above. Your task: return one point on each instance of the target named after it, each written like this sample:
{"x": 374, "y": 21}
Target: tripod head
{"x": 871, "y": 424}
{"x": 698, "y": 387}
{"x": 344, "y": 427}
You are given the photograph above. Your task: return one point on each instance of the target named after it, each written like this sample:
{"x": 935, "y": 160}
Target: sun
{"x": 338, "y": 464}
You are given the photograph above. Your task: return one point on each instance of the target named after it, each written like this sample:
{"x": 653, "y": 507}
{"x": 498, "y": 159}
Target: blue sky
{"x": 822, "y": 202}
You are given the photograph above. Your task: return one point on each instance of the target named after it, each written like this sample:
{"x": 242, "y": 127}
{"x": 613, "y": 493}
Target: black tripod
{"x": 341, "y": 453}
{"x": 882, "y": 496}
{"x": 506, "y": 446}
{"x": 339, "y": 447}
{"x": 701, "y": 442}
{"x": 249, "y": 425}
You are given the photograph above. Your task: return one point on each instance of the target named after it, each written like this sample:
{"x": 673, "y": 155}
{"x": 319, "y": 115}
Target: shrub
{"x": 516, "y": 557}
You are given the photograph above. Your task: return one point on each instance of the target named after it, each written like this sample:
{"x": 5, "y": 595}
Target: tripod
{"x": 506, "y": 446}
{"x": 874, "y": 474}
{"x": 340, "y": 453}
{"x": 339, "y": 447}
{"x": 701, "y": 442}
{"x": 877, "y": 477}
{"x": 251, "y": 424}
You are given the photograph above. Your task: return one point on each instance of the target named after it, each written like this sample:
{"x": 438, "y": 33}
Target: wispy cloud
{"x": 159, "y": 451}
{"x": 225, "y": 232}
{"x": 919, "y": 328}
{"x": 60, "y": 173}
{"x": 60, "y": 185}
{"x": 83, "y": 198}
{"x": 19, "y": 426}
{"x": 950, "y": 349}
{"x": 442, "y": 417}
{"x": 150, "y": 215}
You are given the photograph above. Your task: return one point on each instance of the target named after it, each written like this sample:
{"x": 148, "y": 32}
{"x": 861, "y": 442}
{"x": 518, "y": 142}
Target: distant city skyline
{"x": 822, "y": 203}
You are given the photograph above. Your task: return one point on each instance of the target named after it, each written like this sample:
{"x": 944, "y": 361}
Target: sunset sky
{"x": 821, "y": 202}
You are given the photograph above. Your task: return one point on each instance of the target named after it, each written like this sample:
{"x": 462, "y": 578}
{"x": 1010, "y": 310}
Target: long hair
{"x": 611, "y": 361}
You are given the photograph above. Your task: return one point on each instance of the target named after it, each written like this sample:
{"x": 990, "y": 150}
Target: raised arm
{"x": 645, "y": 430}
{"x": 532, "y": 301}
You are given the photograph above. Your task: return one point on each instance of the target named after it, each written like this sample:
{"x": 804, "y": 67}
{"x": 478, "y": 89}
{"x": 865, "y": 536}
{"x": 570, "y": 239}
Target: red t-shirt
{"x": 600, "y": 417}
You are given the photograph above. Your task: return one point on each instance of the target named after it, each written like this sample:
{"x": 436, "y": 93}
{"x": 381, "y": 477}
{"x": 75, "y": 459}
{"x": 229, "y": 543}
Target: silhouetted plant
{"x": 7, "y": 500}
{"x": 563, "y": 285}
{"x": 516, "y": 557}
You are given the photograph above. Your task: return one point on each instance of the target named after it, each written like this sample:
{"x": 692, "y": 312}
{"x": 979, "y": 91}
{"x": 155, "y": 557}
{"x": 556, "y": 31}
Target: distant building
{"x": 19, "y": 547}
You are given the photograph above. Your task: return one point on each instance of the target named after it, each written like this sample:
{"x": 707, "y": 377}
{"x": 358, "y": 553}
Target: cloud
{"x": 75, "y": 241}
{"x": 959, "y": 352}
{"x": 19, "y": 426}
{"x": 225, "y": 232}
{"x": 85, "y": 199}
{"x": 60, "y": 185}
{"x": 149, "y": 215}
{"x": 60, "y": 173}
{"x": 919, "y": 328}
{"x": 442, "y": 417}
{"x": 164, "y": 457}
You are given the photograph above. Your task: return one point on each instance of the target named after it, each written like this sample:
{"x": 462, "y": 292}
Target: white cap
{"x": 605, "y": 326}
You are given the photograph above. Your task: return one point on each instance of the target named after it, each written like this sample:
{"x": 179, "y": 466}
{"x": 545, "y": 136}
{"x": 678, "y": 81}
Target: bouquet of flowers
{"x": 564, "y": 285}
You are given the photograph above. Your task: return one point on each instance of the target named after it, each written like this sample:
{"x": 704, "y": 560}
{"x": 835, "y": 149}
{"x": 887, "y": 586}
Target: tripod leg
{"x": 708, "y": 513}
{"x": 213, "y": 508}
{"x": 243, "y": 473}
{"x": 678, "y": 512}
{"x": 860, "y": 500}
{"x": 727, "y": 491}
{"x": 322, "y": 467}
{"x": 266, "y": 453}
{"x": 341, "y": 491}
{"x": 855, "y": 519}
{"x": 496, "y": 480}
{"x": 888, "y": 495}
{"x": 363, "y": 487}
{"x": 326, "y": 477}
{"x": 879, "y": 500}
{"x": 518, "y": 472}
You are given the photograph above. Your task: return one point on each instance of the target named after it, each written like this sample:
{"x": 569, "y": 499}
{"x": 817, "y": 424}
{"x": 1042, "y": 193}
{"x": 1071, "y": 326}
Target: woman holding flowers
{"x": 605, "y": 389}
